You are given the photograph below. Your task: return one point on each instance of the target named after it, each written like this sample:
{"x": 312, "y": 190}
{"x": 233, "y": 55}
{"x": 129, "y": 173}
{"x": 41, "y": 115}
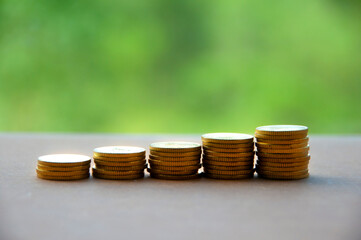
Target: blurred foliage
{"x": 179, "y": 66}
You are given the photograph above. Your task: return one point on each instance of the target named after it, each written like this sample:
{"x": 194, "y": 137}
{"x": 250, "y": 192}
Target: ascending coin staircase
{"x": 282, "y": 153}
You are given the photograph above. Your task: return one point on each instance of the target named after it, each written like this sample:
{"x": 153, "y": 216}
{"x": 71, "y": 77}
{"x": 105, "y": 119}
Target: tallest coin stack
{"x": 282, "y": 152}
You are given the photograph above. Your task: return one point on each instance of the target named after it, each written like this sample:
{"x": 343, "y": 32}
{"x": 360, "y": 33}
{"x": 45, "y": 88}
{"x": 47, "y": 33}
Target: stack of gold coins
{"x": 174, "y": 160}
{"x": 119, "y": 162}
{"x": 282, "y": 152}
{"x": 63, "y": 167}
{"x": 228, "y": 155}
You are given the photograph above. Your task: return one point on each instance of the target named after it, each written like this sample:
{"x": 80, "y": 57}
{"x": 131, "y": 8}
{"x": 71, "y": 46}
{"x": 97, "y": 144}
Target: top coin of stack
{"x": 63, "y": 167}
{"x": 282, "y": 152}
{"x": 119, "y": 162}
{"x": 228, "y": 155}
{"x": 174, "y": 160}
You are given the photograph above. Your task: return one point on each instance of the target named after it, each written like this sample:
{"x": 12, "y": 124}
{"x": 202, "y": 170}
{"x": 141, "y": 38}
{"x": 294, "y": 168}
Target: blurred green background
{"x": 179, "y": 66}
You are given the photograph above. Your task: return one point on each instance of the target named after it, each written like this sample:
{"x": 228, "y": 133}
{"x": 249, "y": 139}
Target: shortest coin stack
{"x": 119, "y": 162}
{"x": 174, "y": 160}
{"x": 282, "y": 152}
{"x": 63, "y": 167}
{"x": 228, "y": 155}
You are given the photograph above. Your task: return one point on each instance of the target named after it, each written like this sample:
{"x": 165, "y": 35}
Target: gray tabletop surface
{"x": 327, "y": 205}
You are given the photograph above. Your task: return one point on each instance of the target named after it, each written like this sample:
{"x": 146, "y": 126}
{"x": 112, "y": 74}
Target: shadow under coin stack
{"x": 228, "y": 155}
{"x": 63, "y": 167}
{"x": 282, "y": 152}
{"x": 119, "y": 162}
{"x": 174, "y": 160}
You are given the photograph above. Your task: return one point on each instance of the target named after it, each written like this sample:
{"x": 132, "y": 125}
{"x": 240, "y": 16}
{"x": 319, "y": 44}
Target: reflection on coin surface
{"x": 119, "y": 150}
{"x": 282, "y": 128}
{"x": 227, "y": 136}
{"x": 175, "y": 145}
{"x": 64, "y": 158}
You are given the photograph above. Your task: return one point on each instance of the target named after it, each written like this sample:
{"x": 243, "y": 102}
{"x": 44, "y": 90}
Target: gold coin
{"x": 229, "y": 150}
{"x": 64, "y": 160}
{"x": 225, "y": 138}
{"x": 228, "y": 168}
{"x": 220, "y": 172}
{"x": 282, "y": 130}
{"x": 281, "y": 146}
{"x": 294, "y": 173}
{"x": 260, "y": 137}
{"x": 283, "y": 155}
{"x": 281, "y": 165}
{"x": 173, "y": 164}
{"x": 119, "y": 151}
{"x": 123, "y": 168}
{"x": 220, "y": 145}
{"x": 284, "y": 160}
{"x": 278, "y": 177}
{"x": 172, "y": 177}
{"x": 174, "y": 159}
{"x": 280, "y": 169}
{"x": 228, "y": 177}
{"x": 229, "y": 164}
{"x": 120, "y": 164}
{"x": 228, "y": 159}
{"x": 57, "y": 174}
{"x": 120, "y": 159}
{"x": 283, "y": 142}
{"x": 62, "y": 178}
{"x": 63, "y": 169}
{"x": 273, "y": 150}
{"x": 116, "y": 173}
{"x": 175, "y": 173}
{"x": 118, "y": 177}
{"x": 218, "y": 154}
{"x": 186, "y": 168}
{"x": 175, "y": 154}
{"x": 175, "y": 147}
